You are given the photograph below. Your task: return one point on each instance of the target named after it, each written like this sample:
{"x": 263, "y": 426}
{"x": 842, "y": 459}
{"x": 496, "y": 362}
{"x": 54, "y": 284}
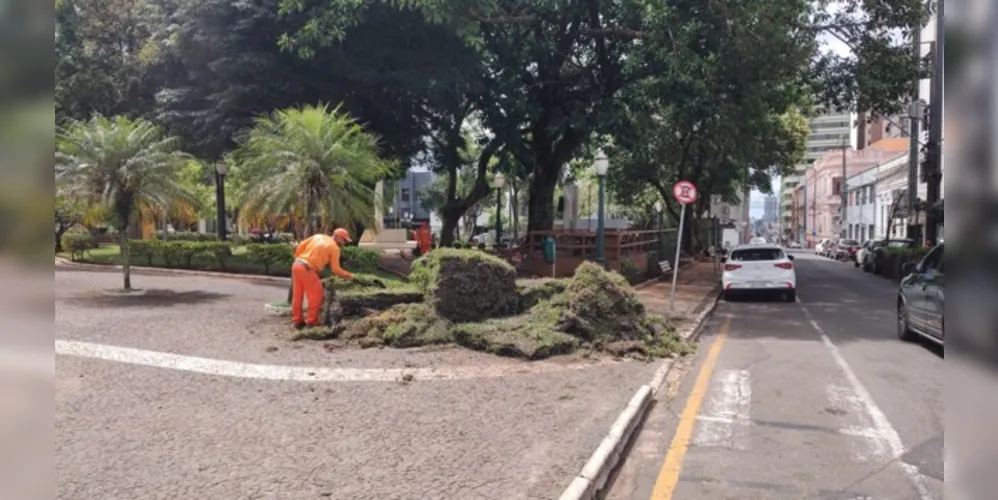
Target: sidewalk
{"x": 696, "y": 286}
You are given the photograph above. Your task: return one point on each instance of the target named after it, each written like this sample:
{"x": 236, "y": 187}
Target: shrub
{"x": 214, "y": 251}
{"x": 270, "y": 256}
{"x": 144, "y": 248}
{"x": 359, "y": 260}
{"x": 77, "y": 243}
{"x": 187, "y": 236}
{"x": 466, "y": 285}
{"x": 239, "y": 240}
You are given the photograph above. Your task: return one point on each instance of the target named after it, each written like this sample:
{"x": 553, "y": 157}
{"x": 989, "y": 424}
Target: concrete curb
{"x": 592, "y": 478}
{"x": 182, "y": 272}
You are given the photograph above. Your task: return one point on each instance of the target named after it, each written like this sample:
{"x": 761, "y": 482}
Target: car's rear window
{"x": 850, "y": 242}
{"x": 751, "y": 254}
{"x": 898, "y": 244}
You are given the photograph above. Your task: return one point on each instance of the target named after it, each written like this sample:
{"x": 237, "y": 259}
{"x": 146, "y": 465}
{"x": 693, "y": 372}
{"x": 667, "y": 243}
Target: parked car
{"x": 920, "y": 298}
{"x": 759, "y": 269}
{"x": 846, "y": 249}
{"x": 758, "y": 240}
{"x": 873, "y": 257}
{"x": 822, "y": 247}
{"x": 793, "y": 244}
{"x": 860, "y": 254}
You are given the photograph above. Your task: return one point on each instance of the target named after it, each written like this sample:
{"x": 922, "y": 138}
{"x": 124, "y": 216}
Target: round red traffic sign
{"x": 685, "y": 192}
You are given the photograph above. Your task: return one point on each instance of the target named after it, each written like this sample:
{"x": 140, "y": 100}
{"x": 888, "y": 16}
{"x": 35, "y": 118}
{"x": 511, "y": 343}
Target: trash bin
{"x": 549, "y": 249}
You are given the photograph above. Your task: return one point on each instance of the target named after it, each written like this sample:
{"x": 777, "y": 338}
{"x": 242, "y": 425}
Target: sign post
{"x": 685, "y": 193}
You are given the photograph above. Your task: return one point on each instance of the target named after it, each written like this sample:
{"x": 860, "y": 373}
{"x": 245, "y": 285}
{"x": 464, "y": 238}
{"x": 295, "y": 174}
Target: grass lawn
{"x": 238, "y": 263}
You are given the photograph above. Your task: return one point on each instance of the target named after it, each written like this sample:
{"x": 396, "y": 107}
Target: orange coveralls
{"x": 312, "y": 255}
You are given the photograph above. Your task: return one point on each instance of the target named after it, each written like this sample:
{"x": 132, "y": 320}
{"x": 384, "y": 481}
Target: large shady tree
{"x": 314, "y": 163}
{"x": 124, "y": 165}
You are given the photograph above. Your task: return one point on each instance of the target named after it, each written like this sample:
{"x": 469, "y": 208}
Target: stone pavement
{"x": 696, "y": 285}
{"x": 146, "y": 419}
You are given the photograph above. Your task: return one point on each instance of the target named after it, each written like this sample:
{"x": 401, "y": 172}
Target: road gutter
{"x": 592, "y": 479}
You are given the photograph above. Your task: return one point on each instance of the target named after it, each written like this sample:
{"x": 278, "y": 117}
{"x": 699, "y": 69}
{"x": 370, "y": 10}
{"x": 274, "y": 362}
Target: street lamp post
{"x": 221, "y": 168}
{"x": 601, "y": 165}
{"x": 499, "y": 182}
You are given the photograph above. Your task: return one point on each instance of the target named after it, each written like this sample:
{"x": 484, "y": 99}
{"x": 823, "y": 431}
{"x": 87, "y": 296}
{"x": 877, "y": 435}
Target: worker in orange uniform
{"x": 313, "y": 255}
{"x": 424, "y": 239}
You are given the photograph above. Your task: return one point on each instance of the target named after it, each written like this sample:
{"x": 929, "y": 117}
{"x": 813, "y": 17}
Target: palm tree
{"x": 314, "y": 163}
{"x": 124, "y": 165}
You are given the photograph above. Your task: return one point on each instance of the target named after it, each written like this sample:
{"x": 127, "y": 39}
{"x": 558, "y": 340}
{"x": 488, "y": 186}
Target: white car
{"x": 861, "y": 253}
{"x": 759, "y": 269}
{"x": 823, "y": 246}
{"x": 758, "y": 241}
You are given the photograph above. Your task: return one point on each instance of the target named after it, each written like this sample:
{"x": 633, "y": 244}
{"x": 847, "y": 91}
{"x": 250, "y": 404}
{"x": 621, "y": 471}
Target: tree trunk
{"x": 540, "y": 205}
{"x": 449, "y": 226}
{"x": 58, "y": 237}
{"x": 514, "y": 209}
{"x": 125, "y": 253}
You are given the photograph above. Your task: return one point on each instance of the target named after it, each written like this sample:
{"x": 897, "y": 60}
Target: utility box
{"x": 549, "y": 249}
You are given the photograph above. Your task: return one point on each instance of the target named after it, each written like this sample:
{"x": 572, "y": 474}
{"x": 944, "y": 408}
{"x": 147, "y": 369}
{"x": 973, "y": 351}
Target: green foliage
{"x": 270, "y": 256}
{"x": 315, "y": 162}
{"x": 466, "y": 285}
{"x": 123, "y": 164}
{"x": 147, "y": 249}
{"x": 357, "y": 259}
{"x": 187, "y": 236}
{"x": 77, "y": 243}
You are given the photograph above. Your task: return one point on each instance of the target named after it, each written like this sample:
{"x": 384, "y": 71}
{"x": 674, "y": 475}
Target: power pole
{"x": 933, "y": 166}
{"x": 916, "y": 46}
{"x": 842, "y": 192}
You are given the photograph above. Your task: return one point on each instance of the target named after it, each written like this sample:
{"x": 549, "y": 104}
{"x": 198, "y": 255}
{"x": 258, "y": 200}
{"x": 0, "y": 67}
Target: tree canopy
{"x": 718, "y": 93}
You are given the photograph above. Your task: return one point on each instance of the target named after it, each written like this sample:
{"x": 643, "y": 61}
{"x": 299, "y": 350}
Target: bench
{"x": 386, "y": 239}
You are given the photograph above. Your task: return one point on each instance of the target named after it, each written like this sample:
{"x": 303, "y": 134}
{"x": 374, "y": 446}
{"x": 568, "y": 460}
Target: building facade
{"x": 770, "y": 209}
{"x": 891, "y": 192}
{"x": 861, "y": 209}
{"x": 822, "y": 191}
{"x": 405, "y": 206}
{"x": 828, "y": 132}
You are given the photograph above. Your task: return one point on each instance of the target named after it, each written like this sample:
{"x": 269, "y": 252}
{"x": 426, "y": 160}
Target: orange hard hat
{"x": 342, "y": 233}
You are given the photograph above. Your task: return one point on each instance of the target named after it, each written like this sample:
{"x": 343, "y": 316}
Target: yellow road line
{"x": 668, "y": 476}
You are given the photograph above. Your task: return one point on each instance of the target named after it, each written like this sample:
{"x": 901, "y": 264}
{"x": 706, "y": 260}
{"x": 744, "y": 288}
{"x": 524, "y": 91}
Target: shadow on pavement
{"x": 151, "y": 298}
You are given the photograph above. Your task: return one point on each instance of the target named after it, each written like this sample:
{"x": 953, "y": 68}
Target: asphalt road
{"x": 810, "y": 400}
{"x": 191, "y": 391}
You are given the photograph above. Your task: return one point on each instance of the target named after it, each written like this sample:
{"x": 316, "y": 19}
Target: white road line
{"x": 882, "y": 429}
{"x": 869, "y": 447}
{"x": 297, "y": 373}
{"x": 729, "y": 406}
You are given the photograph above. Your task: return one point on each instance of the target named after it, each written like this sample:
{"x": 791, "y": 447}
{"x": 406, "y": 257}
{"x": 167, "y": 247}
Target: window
{"x": 754, "y": 254}
{"x": 405, "y": 194}
{"x": 837, "y": 186}
{"x": 870, "y": 232}
{"x": 933, "y": 261}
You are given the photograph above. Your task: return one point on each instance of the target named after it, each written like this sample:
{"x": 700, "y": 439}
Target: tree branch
{"x": 531, "y": 20}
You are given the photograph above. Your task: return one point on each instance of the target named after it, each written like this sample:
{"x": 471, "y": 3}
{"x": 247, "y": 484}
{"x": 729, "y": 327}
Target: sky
{"x": 756, "y": 198}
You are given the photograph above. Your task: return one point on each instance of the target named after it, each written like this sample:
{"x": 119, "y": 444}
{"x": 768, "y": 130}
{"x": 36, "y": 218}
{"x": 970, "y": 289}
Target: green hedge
{"x": 219, "y": 254}
{"x": 890, "y": 262}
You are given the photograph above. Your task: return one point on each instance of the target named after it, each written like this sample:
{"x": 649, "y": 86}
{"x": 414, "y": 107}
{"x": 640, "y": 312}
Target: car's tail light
{"x": 785, "y": 265}
{"x": 732, "y": 267}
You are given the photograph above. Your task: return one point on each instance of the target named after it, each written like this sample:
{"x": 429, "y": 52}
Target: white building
{"x": 891, "y": 189}
{"x": 861, "y": 210}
